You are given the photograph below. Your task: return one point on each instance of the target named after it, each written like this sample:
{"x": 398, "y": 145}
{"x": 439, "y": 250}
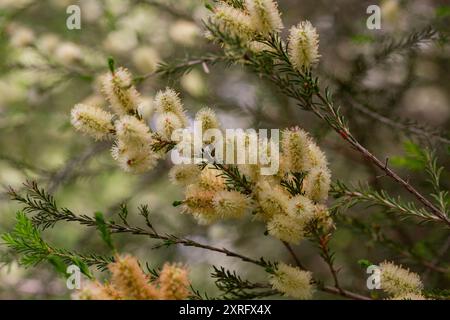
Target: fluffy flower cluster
{"x": 129, "y": 282}
{"x": 136, "y": 145}
{"x": 290, "y": 213}
{"x": 400, "y": 283}
{"x": 292, "y": 281}
{"x": 260, "y": 18}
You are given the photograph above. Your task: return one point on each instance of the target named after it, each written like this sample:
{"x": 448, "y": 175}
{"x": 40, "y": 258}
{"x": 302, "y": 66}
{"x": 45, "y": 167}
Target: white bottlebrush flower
{"x": 211, "y": 179}
{"x": 264, "y": 15}
{"x": 285, "y": 228}
{"x": 234, "y": 21}
{"x": 231, "y": 204}
{"x": 145, "y": 59}
{"x": 133, "y": 131}
{"x": 199, "y": 203}
{"x": 134, "y": 160}
{"x": 271, "y": 199}
{"x": 168, "y": 101}
{"x": 316, "y": 156}
{"x": 120, "y": 92}
{"x": 93, "y": 121}
{"x": 316, "y": 184}
{"x": 303, "y": 46}
{"x": 208, "y": 119}
{"x": 295, "y": 147}
{"x": 398, "y": 281}
{"x": 292, "y": 282}
{"x": 167, "y": 123}
{"x": 68, "y": 53}
{"x": 184, "y": 174}
{"x": 302, "y": 208}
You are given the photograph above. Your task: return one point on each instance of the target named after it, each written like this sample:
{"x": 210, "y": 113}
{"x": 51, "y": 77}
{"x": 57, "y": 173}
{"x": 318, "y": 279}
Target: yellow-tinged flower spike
{"x": 292, "y": 282}
{"x": 120, "y": 92}
{"x": 184, "y": 174}
{"x": 208, "y": 119}
{"x": 133, "y": 131}
{"x": 231, "y": 204}
{"x": 167, "y": 123}
{"x": 272, "y": 200}
{"x": 130, "y": 281}
{"x": 316, "y": 156}
{"x": 295, "y": 147}
{"x": 134, "y": 160}
{"x": 409, "y": 296}
{"x": 199, "y": 203}
{"x": 398, "y": 281}
{"x": 234, "y": 21}
{"x": 96, "y": 291}
{"x": 174, "y": 282}
{"x": 285, "y": 228}
{"x": 317, "y": 184}
{"x": 302, "y": 208}
{"x": 264, "y": 15}
{"x": 211, "y": 179}
{"x": 93, "y": 121}
{"x": 168, "y": 101}
{"x": 303, "y": 46}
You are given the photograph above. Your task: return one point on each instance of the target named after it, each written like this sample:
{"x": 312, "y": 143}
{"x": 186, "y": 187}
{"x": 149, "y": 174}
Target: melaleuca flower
{"x": 199, "y": 203}
{"x": 231, "y": 204}
{"x": 173, "y": 282}
{"x": 272, "y": 200}
{"x": 398, "y": 281}
{"x": 303, "y": 46}
{"x": 208, "y": 119}
{"x": 120, "y": 92}
{"x": 93, "y": 121}
{"x": 302, "y": 208}
{"x": 184, "y": 174}
{"x": 145, "y": 59}
{"x": 285, "y": 228}
{"x": 316, "y": 156}
{"x": 292, "y": 282}
{"x": 295, "y": 147}
{"x": 133, "y": 132}
{"x": 264, "y": 15}
{"x": 168, "y": 101}
{"x": 211, "y": 179}
{"x": 132, "y": 159}
{"x": 94, "y": 290}
{"x": 68, "y": 53}
{"x": 409, "y": 296}
{"x": 167, "y": 123}
{"x": 317, "y": 184}
{"x": 234, "y": 21}
{"x": 130, "y": 281}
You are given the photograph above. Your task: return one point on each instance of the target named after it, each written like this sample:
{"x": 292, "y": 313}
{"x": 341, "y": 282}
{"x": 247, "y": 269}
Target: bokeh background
{"x": 45, "y": 69}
